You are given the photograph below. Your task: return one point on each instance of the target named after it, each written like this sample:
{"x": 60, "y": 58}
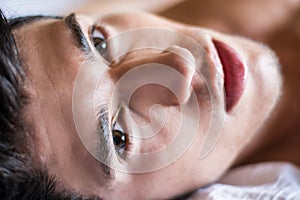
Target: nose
{"x": 160, "y": 78}
{"x": 183, "y": 61}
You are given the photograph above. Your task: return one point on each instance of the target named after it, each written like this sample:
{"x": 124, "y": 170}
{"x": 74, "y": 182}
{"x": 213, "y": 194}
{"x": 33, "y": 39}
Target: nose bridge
{"x": 170, "y": 72}
{"x": 164, "y": 58}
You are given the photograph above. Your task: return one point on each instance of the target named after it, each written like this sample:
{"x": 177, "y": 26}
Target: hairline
{"x": 18, "y": 22}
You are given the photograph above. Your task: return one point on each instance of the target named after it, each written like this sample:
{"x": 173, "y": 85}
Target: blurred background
{"x": 58, "y": 7}
{"x": 31, "y": 7}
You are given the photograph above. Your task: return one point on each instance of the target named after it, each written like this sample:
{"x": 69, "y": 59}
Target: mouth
{"x": 234, "y": 73}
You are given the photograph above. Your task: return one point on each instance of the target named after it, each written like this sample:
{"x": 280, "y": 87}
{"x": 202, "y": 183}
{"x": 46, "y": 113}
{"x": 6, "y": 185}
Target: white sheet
{"x": 272, "y": 180}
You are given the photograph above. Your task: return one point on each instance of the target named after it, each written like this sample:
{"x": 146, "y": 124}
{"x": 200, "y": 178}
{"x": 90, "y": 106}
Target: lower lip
{"x": 234, "y": 73}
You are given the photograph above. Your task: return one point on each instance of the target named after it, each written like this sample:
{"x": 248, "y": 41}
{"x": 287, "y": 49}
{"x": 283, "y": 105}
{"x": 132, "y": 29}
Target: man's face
{"x": 167, "y": 107}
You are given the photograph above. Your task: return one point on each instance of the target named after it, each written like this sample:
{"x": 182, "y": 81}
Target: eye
{"x": 120, "y": 138}
{"x": 99, "y": 42}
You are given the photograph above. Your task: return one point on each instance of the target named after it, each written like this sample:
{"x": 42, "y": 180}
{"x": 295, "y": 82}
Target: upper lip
{"x": 234, "y": 73}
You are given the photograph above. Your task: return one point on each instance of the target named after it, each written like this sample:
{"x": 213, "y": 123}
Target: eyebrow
{"x": 77, "y": 33}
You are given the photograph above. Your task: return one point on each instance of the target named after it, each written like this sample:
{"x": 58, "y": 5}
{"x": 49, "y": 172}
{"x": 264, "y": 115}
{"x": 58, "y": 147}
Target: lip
{"x": 234, "y": 73}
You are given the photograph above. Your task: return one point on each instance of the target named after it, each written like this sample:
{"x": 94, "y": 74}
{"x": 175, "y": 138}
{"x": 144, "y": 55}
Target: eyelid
{"x": 115, "y": 116}
{"x": 117, "y": 126}
{"x": 97, "y": 33}
{"x": 99, "y": 29}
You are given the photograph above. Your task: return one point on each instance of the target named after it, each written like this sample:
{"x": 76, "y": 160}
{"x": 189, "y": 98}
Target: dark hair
{"x": 20, "y": 178}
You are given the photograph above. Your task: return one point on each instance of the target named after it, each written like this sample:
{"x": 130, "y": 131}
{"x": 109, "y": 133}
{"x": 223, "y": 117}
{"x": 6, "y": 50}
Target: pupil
{"x": 119, "y": 139}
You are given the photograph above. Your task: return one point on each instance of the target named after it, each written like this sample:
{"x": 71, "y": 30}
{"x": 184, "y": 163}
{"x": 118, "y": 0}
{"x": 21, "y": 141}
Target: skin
{"x": 52, "y": 61}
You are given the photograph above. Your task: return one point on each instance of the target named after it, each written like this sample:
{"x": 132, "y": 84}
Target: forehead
{"x": 49, "y": 55}
{"x": 44, "y": 45}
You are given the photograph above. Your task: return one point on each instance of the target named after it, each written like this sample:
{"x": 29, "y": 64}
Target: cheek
{"x": 185, "y": 174}
{"x": 269, "y": 81}
{"x": 164, "y": 130}
{"x": 161, "y": 184}
{"x": 263, "y": 79}
{"x": 152, "y": 94}
{"x": 125, "y": 21}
